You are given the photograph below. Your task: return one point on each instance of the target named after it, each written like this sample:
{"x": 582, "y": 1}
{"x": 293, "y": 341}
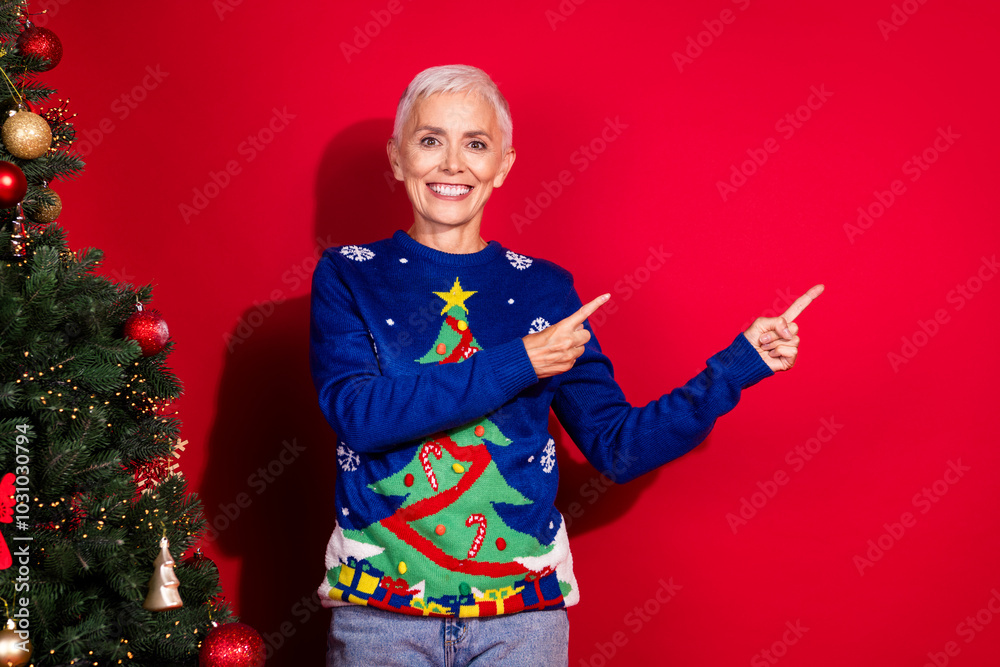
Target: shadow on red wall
{"x": 272, "y": 464}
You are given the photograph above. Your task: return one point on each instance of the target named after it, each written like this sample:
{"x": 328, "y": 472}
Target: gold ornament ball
{"x": 11, "y": 653}
{"x": 46, "y": 213}
{"x": 26, "y": 135}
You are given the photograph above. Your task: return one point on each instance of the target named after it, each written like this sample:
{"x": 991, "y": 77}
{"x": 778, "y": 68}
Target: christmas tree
{"x": 450, "y": 526}
{"x": 91, "y": 506}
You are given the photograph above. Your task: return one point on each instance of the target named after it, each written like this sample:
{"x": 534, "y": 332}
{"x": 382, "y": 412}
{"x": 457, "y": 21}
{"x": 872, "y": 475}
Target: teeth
{"x": 450, "y": 190}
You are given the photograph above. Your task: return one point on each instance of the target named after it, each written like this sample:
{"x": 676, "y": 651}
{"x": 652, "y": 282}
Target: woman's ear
{"x": 507, "y": 161}
{"x": 393, "y": 152}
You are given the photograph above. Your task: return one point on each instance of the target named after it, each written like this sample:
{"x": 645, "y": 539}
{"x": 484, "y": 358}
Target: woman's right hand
{"x": 554, "y": 350}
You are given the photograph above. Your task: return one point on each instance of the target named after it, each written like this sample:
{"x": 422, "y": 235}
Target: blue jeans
{"x": 368, "y": 637}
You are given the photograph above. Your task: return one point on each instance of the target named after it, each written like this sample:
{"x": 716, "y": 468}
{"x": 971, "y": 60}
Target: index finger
{"x": 800, "y": 304}
{"x": 586, "y": 310}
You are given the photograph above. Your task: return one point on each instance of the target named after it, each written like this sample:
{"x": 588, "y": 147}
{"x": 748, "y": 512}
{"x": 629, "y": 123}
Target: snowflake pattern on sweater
{"x": 519, "y": 262}
{"x": 357, "y": 253}
{"x": 538, "y": 324}
{"x": 347, "y": 459}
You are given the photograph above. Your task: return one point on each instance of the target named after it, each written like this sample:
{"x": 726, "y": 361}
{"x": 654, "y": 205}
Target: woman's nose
{"x": 452, "y": 160}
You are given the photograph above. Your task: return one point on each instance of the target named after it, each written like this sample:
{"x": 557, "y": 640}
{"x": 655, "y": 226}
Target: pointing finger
{"x": 576, "y": 319}
{"x": 800, "y": 304}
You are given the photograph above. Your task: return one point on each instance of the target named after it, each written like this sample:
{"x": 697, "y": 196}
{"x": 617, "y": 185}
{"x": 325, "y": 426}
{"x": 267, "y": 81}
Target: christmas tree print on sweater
{"x": 446, "y": 550}
{"x": 455, "y": 341}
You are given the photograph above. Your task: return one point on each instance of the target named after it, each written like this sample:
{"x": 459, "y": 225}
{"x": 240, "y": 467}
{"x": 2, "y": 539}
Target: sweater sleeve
{"x": 630, "y": 441}
{"x": 374, "y": 413}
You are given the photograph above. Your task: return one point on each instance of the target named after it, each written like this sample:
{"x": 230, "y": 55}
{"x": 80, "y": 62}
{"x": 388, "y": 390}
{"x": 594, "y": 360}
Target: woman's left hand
{"x": 776, "y": 339}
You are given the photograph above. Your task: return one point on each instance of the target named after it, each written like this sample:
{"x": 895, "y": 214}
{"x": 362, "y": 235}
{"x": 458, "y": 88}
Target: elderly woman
{"x": 436, "y": 364}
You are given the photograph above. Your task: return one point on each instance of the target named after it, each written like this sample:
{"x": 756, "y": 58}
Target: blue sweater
{"x": 447, "y": 475}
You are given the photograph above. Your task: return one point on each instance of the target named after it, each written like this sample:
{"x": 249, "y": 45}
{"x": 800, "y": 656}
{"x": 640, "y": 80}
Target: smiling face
{"x": 450, "y": 158}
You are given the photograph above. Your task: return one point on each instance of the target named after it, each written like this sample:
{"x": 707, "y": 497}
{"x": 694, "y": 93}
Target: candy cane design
{"x": 434, "y": 449}
{"x": 480, "y": 533}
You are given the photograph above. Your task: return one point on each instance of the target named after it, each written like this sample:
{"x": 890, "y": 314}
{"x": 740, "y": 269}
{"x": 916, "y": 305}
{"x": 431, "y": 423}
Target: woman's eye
{"x": 477, "y": 145}
{"x": 429, "y": 141}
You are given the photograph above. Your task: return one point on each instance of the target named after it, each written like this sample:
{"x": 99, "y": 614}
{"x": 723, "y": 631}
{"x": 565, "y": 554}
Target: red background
{"x": 320, "y": 179}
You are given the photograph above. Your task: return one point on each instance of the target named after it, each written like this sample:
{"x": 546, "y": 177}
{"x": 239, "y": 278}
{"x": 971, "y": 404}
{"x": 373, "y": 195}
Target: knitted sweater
{"x": 447, "y": 475}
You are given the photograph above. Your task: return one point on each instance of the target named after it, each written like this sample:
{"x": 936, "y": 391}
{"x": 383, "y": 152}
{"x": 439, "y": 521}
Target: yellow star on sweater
{"x": 454, "y": 297}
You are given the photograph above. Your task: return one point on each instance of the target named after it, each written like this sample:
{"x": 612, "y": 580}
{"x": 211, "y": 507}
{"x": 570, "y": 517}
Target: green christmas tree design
{"x": 447, "y": 538}
{"x": 455, "y": 341}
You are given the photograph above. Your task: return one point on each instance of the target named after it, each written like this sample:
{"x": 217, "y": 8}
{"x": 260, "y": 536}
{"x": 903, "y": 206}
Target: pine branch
{"x": 10, "y": 393}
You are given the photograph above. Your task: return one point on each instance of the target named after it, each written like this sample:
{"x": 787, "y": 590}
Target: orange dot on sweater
{"x": 441, "y": 348}
{"x": 440, "y": 529}
{"x": 480, "y": 431}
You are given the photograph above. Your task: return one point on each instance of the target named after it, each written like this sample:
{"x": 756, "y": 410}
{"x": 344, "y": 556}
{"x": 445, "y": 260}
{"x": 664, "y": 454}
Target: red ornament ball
{"x": 41, "y": 43}
{"x": 149, "y": 329}
{"x": 13, "y": 184}
{"x": 232, "y": 645}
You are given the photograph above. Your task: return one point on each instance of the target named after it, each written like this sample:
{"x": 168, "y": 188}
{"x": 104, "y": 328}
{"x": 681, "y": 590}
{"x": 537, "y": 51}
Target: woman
{"x": 436, "y": 364}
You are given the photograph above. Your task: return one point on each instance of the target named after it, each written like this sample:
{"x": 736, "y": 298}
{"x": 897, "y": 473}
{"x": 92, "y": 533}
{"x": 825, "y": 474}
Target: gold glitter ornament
{"x": 46, "y": 213}
{"x": 14, "y": 651}
{"x": 26, "y": 135}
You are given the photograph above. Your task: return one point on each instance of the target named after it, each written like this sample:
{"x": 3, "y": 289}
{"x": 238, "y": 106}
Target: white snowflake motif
{"x": 519, "y": 262}
{"x": 345, "y": 511}
{"x": 389, "y": 322}
{"x": 403, "y": 260}
{"x": 549, "y": 456}
{"x": 510, "y": 301}
{"x": 347, "y": 459}
{"x": 538, "y": 324}
{"x": 356, "y": 252}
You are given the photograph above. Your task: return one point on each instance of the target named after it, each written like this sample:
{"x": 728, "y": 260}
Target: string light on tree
{"x": 58, "y": 118}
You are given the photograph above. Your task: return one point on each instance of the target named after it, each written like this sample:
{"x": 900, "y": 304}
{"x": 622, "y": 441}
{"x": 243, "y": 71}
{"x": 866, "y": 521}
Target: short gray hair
{"x": 455, "y": 79}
